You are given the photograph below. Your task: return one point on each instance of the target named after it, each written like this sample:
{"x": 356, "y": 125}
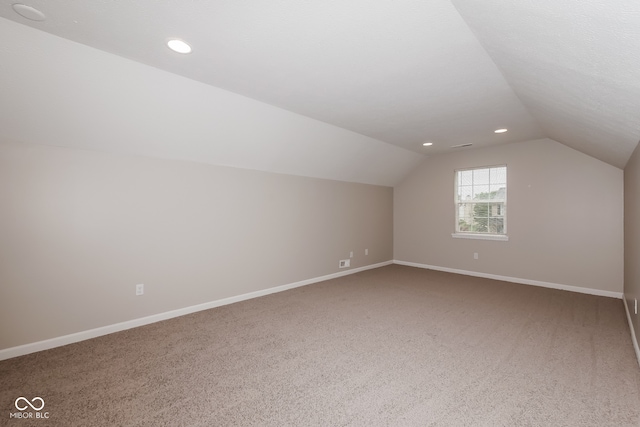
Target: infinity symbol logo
{"x": 29, "y": 403}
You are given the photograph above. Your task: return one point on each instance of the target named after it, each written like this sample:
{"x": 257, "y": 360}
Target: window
{"x": 481, "y": 203}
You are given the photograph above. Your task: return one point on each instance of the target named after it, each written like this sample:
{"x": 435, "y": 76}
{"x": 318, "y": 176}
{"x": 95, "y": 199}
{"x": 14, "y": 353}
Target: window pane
{"x": 481, "y": 177}
{"x": 496, "y": 210}
{"x": 464, "y": 224}
{"x": 481, "y": 200}
{"x": 496, "y": 225}
{"x": 480, "y": 225}
{"x": 481, "y": 210}
{"x": 498, "y": 191}
{"x": 465, "y": 177}
{"x": 498, "y": 175}
{"x": 480, "y": 192}
{"x": 465, "y": 193}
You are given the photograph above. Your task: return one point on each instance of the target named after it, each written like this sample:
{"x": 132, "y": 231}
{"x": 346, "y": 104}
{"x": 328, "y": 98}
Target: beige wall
{"x": 565, "y": 216}
{"x": 632, "y": 236}
{"x": 79, "y": 229}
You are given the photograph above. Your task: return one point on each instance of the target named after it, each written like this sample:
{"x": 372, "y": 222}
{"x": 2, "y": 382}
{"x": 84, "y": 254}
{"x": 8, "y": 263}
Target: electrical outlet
{"x": 475, "y": 255}
{"x": 366, "y": 251}
{"x": 344, "y": 263}
{"x": 140, "y": 289}
{"x": 351, "y": 254}
{"x": 635, "y": 308}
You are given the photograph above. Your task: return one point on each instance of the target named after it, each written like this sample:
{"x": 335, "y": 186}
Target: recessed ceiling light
{"x": 427, "y": 144}
{"x": 28, "y": 12}
{"x": 500, "y": 130}
{"x": 178, "y": 46}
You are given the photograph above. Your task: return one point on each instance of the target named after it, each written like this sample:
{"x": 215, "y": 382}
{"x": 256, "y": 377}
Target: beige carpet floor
{"x": 394, "y": 346}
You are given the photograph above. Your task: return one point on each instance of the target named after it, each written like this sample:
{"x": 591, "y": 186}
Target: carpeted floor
{"x": 394, "y": 346}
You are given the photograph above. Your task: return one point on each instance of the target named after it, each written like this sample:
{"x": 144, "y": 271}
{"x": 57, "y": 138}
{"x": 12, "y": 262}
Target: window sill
{"x": 500, "y": 237}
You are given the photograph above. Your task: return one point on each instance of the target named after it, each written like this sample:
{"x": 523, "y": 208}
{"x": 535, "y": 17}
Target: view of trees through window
{"x": 481, "y": 197}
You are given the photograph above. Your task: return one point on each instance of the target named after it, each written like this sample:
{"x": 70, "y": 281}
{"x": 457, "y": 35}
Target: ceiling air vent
{"x": 461, "y": 145}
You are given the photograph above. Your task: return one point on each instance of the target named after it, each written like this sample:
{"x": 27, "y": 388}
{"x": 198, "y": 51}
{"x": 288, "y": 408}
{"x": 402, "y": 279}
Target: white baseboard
{"x": 633, "y": 332}
{"x": 105, "y": 330}
{"x": 589, "y": 291}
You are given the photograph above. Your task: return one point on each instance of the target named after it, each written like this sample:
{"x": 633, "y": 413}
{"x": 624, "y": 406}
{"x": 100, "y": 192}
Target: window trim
{"x": 480, "y": 236}
{"x": 474, "y": 235}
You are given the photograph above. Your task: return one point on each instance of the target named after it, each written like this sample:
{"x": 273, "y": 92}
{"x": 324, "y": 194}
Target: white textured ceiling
{"x": 574, "y": 64}
{"x": 400, "y": 72}
{"x": 57, "y": 92}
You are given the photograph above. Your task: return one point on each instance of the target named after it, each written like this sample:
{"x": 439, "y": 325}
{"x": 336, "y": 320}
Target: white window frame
{"x": 477, "y": 235}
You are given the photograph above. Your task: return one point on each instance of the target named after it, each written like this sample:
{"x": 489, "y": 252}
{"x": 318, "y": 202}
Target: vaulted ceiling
{"x": 394, "y": 72}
